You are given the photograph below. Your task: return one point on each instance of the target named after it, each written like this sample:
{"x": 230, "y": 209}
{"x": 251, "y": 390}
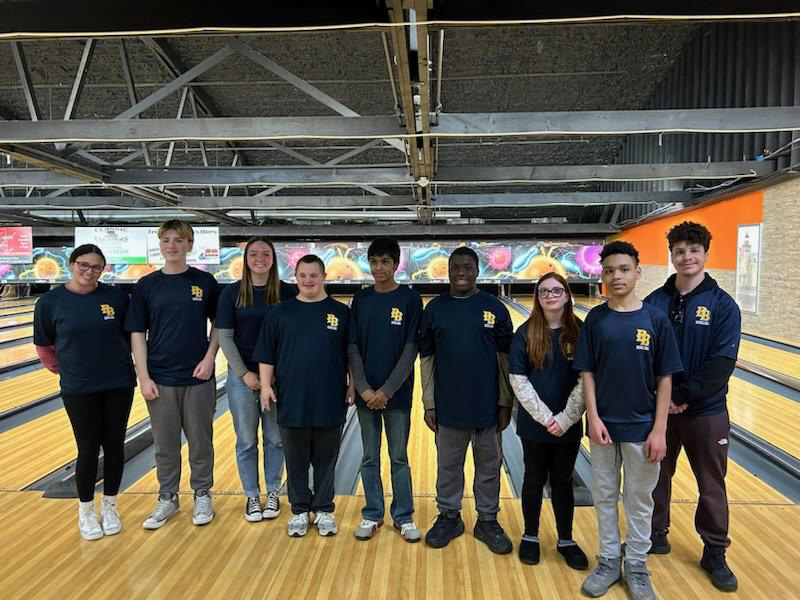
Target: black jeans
{"x": 311, "y": 446}
{"x": 556, "y": 462}
{"x": 99, "y": 420}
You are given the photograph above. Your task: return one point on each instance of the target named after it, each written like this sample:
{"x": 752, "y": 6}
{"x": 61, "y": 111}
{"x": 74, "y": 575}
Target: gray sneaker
{"x": 203, "y": 512}
{"x": 605, "y": 574}
{"x": 326, "y": 523}
{"x": 167, "y": 506}
{"x": 637, "y": 577}
{"x": 409, "y": 531}
{"x": 298, "y": 525}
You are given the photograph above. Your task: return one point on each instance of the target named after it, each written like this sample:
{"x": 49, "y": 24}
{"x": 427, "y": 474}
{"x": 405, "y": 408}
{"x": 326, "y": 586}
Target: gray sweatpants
{"x": 451, "y": 451}
{"x": 637, "y": 497}
{"x": 190, "y": 409}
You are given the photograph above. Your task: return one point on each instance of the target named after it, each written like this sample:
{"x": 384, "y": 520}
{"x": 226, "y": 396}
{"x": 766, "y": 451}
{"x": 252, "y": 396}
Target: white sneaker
{"x": 203, "y": 511}
{"x": 272, "y": 507}
{"x": 367, "y": 529}
{"x": 298, "y": 525}
{"x": 409, "y": 531}
{"x": 166, "y": 507}
{"x": 109, "y": 516}
{"x": 325, "y": 523}
{"x": 87, "y": 522}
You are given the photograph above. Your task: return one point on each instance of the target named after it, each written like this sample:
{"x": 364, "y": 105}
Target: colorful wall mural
{"x": 420, "y": 262}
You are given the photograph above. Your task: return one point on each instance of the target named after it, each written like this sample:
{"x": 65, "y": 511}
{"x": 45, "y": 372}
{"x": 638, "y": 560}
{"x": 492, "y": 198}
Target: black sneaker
{"x": 529, "y": 552}
{"x": 444, "y": 530}
{"x": 491, "y": 534}
{"x": 714, "y": 562}
{"x": 574, "y": 556}
{"x": 659, "y": 542}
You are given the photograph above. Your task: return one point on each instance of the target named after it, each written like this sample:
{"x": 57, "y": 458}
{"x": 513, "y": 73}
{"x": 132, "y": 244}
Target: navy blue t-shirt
{"x": 246, "y": 322}
{"x": 92, "y": 349}
{"x": 627, "y": 351}
{"x": 553, "y": 382}
{"x": 381, "y": 325}
{"x": 711, "y": 327}
{"x": 464, "y": 335}
{"x": 306, "y": 342}
{"x": 174, "y": 310}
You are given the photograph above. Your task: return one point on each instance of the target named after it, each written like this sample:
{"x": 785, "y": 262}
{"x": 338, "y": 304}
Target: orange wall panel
{"x": 721, "y": 218}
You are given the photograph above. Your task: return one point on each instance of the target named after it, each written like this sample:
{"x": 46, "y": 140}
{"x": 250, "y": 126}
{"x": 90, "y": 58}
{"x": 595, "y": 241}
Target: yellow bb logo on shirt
{"x": 488, "y": 318}
{"x": 107, "y": 311}
{"x": 396, "y": 316}
{"x": 702, "y": 316}
{"x": 333, "y": 322}
{"x": 642, "y": 339}
{"x": 197, "y": 293}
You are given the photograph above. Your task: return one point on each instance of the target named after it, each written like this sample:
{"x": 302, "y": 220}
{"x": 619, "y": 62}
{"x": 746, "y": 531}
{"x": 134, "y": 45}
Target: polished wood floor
{"x": 17, "y": 333}
{"x": 43, "y": 556}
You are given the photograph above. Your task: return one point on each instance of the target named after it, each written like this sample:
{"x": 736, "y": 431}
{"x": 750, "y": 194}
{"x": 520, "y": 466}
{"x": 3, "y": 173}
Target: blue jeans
{"x": 398, "y": 424}
{"x": 246, "y": 411}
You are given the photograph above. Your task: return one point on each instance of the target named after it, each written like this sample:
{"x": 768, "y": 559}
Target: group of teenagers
{"x": 650, "y": 375}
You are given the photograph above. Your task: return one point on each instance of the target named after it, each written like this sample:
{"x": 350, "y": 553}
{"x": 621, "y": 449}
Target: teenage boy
{"x": 174, "y": 354}
{"x": 627, "y": 353}
{"x": 464, "y": 341}
{"x": 384, "y": 330}
{"x": 707, "y": 323}
{"x": 302, "y": 352}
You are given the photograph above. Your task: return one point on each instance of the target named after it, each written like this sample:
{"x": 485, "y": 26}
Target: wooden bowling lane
{"x": 22, "y": 389}
{"x": 18, "y": 333}
{"x": 15, "y": 310}
{"x": 15, "y": 320}
{"x": 775, "y": 359}
{"x": 17, "y": 355}
{"x": 32, "y": 450}
{"x": 44, "y": 557}
{"x": 18, "y": 302}
{"x": 770, "y": 416}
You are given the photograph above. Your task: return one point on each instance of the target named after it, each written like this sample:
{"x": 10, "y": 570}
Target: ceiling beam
{"x": 710, "y": 120}
{"x": 509, "y": 200}
{"x": 393, "y": 176}
{"x": 526, "y": 230}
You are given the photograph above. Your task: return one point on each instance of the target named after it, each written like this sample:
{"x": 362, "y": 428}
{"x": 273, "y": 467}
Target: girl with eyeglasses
{"x": 78, "y": 333}
{"x": 544, "y": 382}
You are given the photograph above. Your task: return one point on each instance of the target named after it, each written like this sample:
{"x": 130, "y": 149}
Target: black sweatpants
{"x": 705, "y": 440}
{"x": 99, "y": 420}
{"x": 311, "y": 446}
{"x": 555, "y": 461}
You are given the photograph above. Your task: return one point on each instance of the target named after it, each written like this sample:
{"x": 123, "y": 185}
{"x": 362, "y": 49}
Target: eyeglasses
{"x": 676, "y": 312}
{"x": 84, "y": 266}
{"x": 556, "y": 292}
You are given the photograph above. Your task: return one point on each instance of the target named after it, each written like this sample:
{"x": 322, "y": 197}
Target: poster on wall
{"x": 120, "y": 245}
{"x": 16, "y": 245}
{"x": 205, "y": 250}
{"x": 748, "y": 263}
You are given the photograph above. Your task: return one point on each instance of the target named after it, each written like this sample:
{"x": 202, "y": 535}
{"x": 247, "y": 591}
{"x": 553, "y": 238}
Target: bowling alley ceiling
{"x": 430, "y": 115}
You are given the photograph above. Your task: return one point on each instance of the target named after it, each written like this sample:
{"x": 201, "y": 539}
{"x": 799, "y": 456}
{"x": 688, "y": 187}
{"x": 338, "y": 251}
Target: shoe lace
{"x": 603, "y": 567}
{"x": 110, "y": 511}
{"x": 299, "y": 519}
{"x": 367, "y": 523}
{"x": 405, "y": 527}
{"x": 717, "y": 560}
{"x": 202, "y": 502}
{"x": 253, "y": 505}
{"x": 325, "y": 519}
{"x": 272, "y": 501}
{"x": 90, "y": 518}
{"x": 162, "y": 508}
{"x": 638, "y": 576}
